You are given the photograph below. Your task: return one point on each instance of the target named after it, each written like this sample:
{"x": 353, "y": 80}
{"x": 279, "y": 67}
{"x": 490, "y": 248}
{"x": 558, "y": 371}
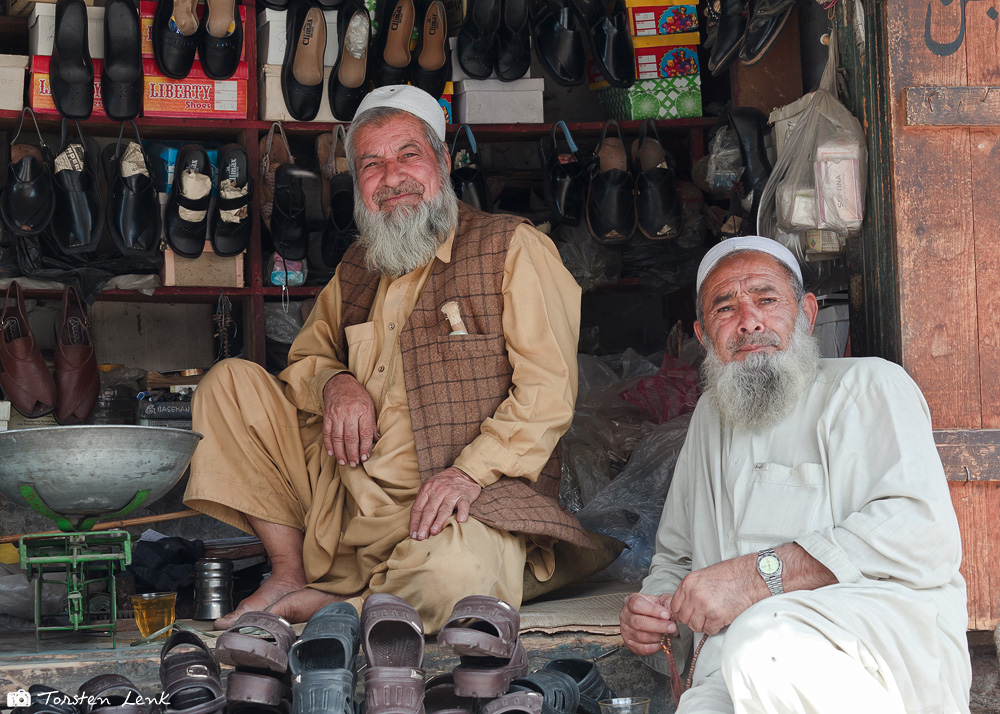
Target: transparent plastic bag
{"x": 725, "y": 162}
{"x": 590, "y": 263}
{"x": 818, "y": 182}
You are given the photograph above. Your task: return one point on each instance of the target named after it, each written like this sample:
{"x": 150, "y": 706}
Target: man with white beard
{"x": 410, "y": 445}
{"x": 808, "y": 540}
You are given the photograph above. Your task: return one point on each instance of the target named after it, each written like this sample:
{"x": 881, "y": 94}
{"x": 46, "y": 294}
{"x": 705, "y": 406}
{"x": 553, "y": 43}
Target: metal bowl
{"x": 93, "y": 470}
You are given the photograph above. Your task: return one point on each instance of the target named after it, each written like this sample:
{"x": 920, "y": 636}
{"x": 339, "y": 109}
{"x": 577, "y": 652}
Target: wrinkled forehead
{"x": 746, "y": 268}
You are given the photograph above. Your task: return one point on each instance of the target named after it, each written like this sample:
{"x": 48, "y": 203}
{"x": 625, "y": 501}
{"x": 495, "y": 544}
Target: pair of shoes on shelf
{"x": 561, "y": 28}
{"x": 217, "y": 37}
{"x": 563, "y": 176}
{"x": 429, "y": 65}
{"x": 618, "y": 203}
{"x": 495, "y": 39}
{"x": 26, "y": 381}
{"x": 192, "y": 217}
{"x": 336, "y": 195}
{"x": 746, "y": 29}
{"x": 60, "y": 195}
{"x": 467, "y": 174}
{"x": 283, "y": 199}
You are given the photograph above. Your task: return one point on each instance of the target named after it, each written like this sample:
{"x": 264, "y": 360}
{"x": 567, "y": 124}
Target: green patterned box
{"x": 663, "y": 98}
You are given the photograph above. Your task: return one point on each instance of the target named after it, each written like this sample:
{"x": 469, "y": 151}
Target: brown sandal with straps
{"x": 191, "y": 681}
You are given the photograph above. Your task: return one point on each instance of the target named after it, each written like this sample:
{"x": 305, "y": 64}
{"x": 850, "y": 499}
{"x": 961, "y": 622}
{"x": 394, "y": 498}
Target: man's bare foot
{"x": 270, "y": 591}
{"x": 302, "y": 604}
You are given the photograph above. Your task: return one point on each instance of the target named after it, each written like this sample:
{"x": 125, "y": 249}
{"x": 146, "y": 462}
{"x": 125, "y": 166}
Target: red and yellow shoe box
{"x": 657, "y": 56}
{"x": 40, "y": 95}
{"x": 147, "y": 8}
{"x": 194, "y": 96}
{"x": 659, "y": 17}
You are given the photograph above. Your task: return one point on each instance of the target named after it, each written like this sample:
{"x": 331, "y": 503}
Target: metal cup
{"x": 213, "y": 588}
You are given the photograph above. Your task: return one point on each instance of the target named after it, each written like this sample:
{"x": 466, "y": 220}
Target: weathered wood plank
{"x": 977, "y": 506}
{"x": 935, "y": 246}
{"x": 952, "y": 106}
{"x": 774, "y": 81}
{"x": 985, "y": 167}
{"x": 969, "y": 454}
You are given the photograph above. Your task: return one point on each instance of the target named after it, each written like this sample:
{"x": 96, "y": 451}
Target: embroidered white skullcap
{"x": 408, "y": 98}
{"x": 758, "y": 243}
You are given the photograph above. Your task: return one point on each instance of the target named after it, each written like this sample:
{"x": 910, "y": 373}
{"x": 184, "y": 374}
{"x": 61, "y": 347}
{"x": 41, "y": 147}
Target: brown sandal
{"x": 191, "y": 681}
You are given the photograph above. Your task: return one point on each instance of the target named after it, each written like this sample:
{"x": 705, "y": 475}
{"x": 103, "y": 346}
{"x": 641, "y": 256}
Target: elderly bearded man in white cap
{"x": 410, "y": 447}
{"x": 808, "y": 537}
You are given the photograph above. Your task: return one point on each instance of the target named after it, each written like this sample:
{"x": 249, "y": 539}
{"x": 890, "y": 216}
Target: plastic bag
{"x": 282, "y": 322}
{"x": 725, "y": 162}
{"x": 590, "y": 263}
{"x": 818, "y": 182}
{"x": 17, "y": 595}
{"x": 629, "y": 507}
{"x": 666, "y": 395}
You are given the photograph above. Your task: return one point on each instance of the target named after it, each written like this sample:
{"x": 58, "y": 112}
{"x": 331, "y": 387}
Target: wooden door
{"x": 926, "y": 274}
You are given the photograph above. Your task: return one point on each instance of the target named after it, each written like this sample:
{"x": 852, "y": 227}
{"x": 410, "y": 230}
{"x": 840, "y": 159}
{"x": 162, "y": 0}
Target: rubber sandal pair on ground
{"x": 261, "y": 680}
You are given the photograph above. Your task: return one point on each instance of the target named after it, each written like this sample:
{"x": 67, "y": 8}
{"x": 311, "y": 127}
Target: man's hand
{"x": 444, "y": 493}
{"x": 711, "y": 598}
{"x": 349, "y": 420}
{"x": 645, "y": 620}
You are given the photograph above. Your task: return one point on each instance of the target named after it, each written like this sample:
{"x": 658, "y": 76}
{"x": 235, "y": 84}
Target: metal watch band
{"x": 773, "y": 581}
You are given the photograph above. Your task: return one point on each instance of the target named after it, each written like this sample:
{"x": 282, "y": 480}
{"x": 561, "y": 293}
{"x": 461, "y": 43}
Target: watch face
{"x": 768, "y": 565}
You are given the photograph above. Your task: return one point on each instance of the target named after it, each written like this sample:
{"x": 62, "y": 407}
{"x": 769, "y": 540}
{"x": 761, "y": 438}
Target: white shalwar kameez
{"x": 851, "y": 475}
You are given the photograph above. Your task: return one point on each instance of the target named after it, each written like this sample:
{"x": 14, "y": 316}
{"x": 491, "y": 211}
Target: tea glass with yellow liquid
{"x": 154, "y": 612}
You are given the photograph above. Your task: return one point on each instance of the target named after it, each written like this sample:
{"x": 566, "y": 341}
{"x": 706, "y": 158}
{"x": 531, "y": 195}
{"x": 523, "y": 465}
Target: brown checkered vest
{"x": 453, "y": 383}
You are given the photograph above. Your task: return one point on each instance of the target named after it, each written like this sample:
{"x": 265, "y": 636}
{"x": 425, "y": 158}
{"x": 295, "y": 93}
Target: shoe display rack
{"x": 247, "y": 132}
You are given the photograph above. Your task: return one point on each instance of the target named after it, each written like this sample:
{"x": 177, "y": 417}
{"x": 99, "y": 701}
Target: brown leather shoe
{"x": 25, "y": 379}
{"x": 77, "y": 380}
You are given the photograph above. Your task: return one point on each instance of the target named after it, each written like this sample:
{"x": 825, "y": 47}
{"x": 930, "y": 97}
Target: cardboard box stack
{"x": 194, "y": 96}
{"x": 491, "y": 101}
{"x": 668, "y": 76}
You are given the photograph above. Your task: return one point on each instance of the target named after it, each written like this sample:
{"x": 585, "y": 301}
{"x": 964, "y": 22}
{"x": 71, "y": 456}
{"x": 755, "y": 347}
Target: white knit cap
{"x": 409, "y": 99}
{"x": 757, "y": 243}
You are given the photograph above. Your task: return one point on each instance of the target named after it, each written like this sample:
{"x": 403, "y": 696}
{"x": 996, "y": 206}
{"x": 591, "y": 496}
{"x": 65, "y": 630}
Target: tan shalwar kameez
{"x": 263, "y": 453}
{"x": 851, "y": 475}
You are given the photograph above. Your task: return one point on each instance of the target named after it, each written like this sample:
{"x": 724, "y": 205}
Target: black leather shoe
{"x": 133, "y": 212}
{"x": 657, "y": 204}
{"x": 431, "y": 63}
{"x": 712, "y": 10}
{"x": 749, "y": 123}
{"x": 733, "y": 15}
{"x": 220, "y": 39}
{"x": 477, "y": 41}
{"x": 175, "y": 37}
{"x": 78, "y": 224}
{"x": 467, "y": 176}
{"x": 558, "y": 44}
{"x": 349, "y": 77}
{"x": 766, "y": 23}
{"x": 229, "y": 221}
{"x": 186, "y": 234}
{"x": 562, "y": 176}
{"x": 610, "y": 198}
{"x": 302, "y": 71}
{"x": 121, "y": 73}
{"x": 27, "y": 201}
{"x": 289, "y": 231}
{"x": 610, "y": 41}
{"x": 340, "y": 230}
{"x": 391, "y": 52}
{"x": 513, "y": 41}
{"x": 71, "y": 71}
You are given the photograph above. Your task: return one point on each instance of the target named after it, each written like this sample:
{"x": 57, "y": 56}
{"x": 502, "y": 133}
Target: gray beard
{"x": 401, "y": 241}
{"x": 760, "y": 391}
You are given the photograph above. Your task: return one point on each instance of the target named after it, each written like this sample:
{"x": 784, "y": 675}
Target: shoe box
{"x": 13, "y": 69}
{"x": 42, "y": 30}
{"x": 207, "y": 270}
{"x": 649, "y": 17}
{"x": 662, "y": 98}
{"x": 657, "y": 56}
{"x": 41, "y": 100}
{"x": 490, "y": 101}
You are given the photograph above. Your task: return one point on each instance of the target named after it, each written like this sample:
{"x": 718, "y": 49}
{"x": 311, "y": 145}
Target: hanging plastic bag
{"x": 818, "y": 181}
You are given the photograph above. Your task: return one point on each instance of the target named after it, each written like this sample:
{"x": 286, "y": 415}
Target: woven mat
{"x": 584, "y": 607}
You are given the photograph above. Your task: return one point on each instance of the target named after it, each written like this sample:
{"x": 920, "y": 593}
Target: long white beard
{"x": 760, "y": 391}
{"x": 405, "y": 239}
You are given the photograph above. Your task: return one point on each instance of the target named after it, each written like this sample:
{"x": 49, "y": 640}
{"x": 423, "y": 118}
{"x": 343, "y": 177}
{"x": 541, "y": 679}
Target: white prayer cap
{"x": 409, "y": 99}
{"x": 757, "y": 243}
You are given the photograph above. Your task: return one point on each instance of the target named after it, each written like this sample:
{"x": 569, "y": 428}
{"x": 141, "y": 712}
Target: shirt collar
{"x": 443, "y": 252}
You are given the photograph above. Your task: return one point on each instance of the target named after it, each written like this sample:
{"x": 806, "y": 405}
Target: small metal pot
{"x": 213, "y": 588}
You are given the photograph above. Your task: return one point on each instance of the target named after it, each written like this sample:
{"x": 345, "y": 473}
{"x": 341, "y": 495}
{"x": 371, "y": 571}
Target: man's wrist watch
{"x": 769, "y": 566}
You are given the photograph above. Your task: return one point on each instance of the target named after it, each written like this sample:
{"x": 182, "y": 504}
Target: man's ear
{"x": 811, "y": 309}
{"x": 698, "y": 333}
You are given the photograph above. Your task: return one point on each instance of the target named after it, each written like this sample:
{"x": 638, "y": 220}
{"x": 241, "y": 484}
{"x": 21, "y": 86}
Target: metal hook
{"x": 968, "y": 474}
